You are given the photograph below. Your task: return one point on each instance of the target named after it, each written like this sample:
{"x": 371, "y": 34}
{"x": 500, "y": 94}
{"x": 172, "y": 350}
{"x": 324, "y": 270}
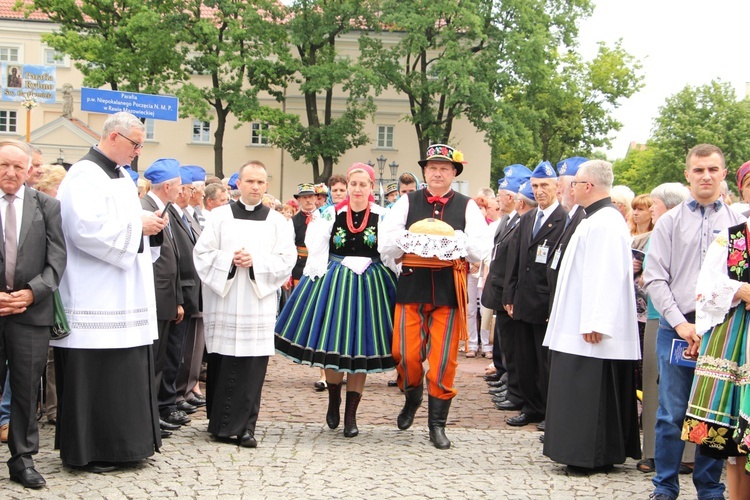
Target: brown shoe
{"x": 471, "y": 354}
{"x": 4, "y": 433}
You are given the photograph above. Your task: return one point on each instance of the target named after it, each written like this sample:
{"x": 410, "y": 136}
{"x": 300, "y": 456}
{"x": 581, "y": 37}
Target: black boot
{"x": 411, "y": 405}
{"x": 333, "y": 417}
{"x": 350, "y": 414}
{"x": 437, "y": 415}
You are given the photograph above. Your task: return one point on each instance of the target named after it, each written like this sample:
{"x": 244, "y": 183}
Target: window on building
{"x": 385, "y": 136}
{"x": 201, "y": 131}
{"x": 8, "y": 121}
{"x": 150, "y": 126}
{"x": 259, "y": 136}
{"x": 9, "y": 54}
{"x": 55, "y": 58}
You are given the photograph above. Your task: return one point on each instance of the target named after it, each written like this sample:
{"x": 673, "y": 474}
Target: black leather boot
{"x": 350, "y": 413}
{"x": 413, "y": 397}
{"x": 437, "y": 415}
{"x": 333, "y": 417}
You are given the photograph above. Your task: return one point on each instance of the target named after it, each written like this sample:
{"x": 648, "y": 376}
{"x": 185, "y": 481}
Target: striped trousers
{"x": 426, "y": 332}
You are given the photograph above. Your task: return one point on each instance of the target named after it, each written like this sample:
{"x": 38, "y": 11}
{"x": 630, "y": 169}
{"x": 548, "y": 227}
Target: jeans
{"x": 674, "y": 391}
{"x": 5, "y": 403}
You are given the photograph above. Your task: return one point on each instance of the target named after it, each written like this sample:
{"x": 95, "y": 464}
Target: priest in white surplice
{"x": 244, "y": 255}
{"x": 592, "y": 335}
{"x": 107, "y": 412}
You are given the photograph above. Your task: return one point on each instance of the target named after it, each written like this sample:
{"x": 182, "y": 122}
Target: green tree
{"x": 570, "y": 112}
{"x": 324, "y": 74}
{"x": 232, "y": 48}
{"x": 115, "y": 43}
{"x": 708, "y": 113}
{"x": 454, "y": 59}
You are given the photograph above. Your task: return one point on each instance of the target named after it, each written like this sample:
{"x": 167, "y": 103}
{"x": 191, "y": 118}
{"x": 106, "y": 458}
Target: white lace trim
{"x": 426, "y": 245}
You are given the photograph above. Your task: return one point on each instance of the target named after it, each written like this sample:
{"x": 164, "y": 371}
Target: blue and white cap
{"x": 163, "y": 170}
{"x": 569, "y": 166}
{"x": 525, "y": 189}
{"x": 544, "y": 171}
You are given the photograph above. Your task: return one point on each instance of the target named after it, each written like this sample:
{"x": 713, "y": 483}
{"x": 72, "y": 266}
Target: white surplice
{"x": 595, "y": 291}
{"x": 239, "y": 314}
{"x": 108, "y": 286}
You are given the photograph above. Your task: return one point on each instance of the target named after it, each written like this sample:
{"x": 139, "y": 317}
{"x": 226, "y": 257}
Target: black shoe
{"x": 497, "y": 390}
{"x": 508, "y": 405}
{"x": 195, "y": 400}
{"x": 333, "y": 415}
{"x": 523, "y": 419}
{"x": 540, "y": 426}
{"x": 186, "y": 407}
{"x": 350, "y": 414}
{"x": 320, "y": 385}
{"x": 165, "y": 434}
{"x": 248, "y": 440}
{"x": 495, "y": 377}
{"x": 541, "y": 438}
{"x": 29, "y": 478}
{"x": 176, "y": 417}
{"x": 166, "y": 426}
{"x": 502, "y": 398}
{"x": 497, "y": 383}
{"x": 574, "y": 470}
{"x": 94, "y": 467}
{"x": 392, "y": 383}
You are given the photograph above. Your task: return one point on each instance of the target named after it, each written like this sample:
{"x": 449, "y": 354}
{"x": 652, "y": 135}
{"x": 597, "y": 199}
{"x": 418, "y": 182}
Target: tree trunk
{"x": 221, "y": 124}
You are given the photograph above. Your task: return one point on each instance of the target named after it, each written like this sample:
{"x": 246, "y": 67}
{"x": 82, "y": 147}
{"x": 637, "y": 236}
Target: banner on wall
{"x": 21, "y": 82}
{"x": 157, "y": 107}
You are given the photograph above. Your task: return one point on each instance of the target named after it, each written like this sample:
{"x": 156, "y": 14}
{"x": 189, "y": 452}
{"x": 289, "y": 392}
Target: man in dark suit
{"x": 508, "y": 396}
{"x": 164, "y": 175}
{"x": 33, "y": 258}
{"x": 526, "y": 292}
{"x": 186, "y": 340}
{"x": 566, "y": 171}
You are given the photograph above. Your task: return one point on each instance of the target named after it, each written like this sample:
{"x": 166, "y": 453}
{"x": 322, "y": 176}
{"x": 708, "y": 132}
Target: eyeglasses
{"x": 136, "y": 145}
{"x": 573, "y": 183}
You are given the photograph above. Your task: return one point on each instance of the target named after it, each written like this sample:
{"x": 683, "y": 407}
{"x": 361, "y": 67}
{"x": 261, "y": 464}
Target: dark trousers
{"x": 24, "y": 347}
{"x": 506, "y": 334}
{"x": 192, "y": 359}
{"x": 533, "y": 367}
{"x": 164, "y": 387}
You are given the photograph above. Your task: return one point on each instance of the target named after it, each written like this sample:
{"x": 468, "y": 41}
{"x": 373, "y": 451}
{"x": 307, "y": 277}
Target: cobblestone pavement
{"x": 299, "y": 457}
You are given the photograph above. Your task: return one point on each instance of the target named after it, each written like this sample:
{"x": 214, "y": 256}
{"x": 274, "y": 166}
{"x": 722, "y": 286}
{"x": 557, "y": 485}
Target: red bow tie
{"x": 438, "y": 199}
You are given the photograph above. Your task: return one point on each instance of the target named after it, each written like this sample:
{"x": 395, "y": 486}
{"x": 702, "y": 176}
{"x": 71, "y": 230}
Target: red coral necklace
{"x": 350, "y": 220}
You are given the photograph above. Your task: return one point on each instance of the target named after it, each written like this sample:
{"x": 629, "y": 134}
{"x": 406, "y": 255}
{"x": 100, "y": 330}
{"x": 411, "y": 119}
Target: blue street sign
{"x": 157, "y": 107}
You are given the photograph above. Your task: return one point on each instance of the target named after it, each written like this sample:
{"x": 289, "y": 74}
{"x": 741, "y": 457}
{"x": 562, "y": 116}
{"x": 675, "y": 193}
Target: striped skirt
{"x": 342, "y": 321}
{"x": 719, "y": 388}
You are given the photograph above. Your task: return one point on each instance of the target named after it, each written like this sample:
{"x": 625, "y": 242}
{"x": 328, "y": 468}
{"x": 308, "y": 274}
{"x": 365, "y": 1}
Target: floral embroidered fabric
{"x": 442, "y": 247}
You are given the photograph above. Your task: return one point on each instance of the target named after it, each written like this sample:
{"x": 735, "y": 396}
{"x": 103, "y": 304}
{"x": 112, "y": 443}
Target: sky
{"x": 679, "y": 43}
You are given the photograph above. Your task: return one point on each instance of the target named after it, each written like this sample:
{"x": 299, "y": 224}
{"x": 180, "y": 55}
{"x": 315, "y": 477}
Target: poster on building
{"x": 21, "y": 82}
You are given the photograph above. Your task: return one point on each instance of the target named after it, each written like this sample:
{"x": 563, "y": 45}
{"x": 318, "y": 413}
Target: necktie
{"x": 188, "y": 226}
{"x": 11, "y": 241}
{"x": 538, "y": 224}
{"x": 567, "y": 221}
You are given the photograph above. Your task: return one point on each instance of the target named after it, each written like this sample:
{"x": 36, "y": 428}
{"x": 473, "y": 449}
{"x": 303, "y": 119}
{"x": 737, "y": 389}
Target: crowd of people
{"x": 577, "y": 290}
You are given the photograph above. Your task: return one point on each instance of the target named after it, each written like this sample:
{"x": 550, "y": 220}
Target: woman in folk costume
{"x": 718, "y": 414}
{"x": 340, "y": 316}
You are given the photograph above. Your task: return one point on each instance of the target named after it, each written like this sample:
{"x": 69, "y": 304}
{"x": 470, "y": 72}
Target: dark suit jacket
{"x": 41, "y": 258}
{"x": 492, "y": 294}
{"x": 562, "y": 244}
{"x": 166, "y": 270}
{"x": 526, "y": 280}
{"x": 189, "y": 281}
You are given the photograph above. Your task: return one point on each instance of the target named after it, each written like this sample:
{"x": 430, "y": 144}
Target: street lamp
{"x": 394, "y": 169}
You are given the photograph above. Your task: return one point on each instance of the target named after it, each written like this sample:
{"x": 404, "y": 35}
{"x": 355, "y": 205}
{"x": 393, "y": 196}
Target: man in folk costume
{"x": 306, "y": 197}
{"x": 526, "y": 292}
{"x": 593, "y": 337}
{"x": 430, "y": 314}
{"x": 108, "y": 293}
{"x": 243, "y": 256}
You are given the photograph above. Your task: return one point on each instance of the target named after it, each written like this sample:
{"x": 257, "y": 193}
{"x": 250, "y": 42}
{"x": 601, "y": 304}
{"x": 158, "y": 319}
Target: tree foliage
{"x": 232, "y": 48}
{"x": 115, "y": 43}
{"x": 324, "y": 75}
{"x": 708, "y": 113}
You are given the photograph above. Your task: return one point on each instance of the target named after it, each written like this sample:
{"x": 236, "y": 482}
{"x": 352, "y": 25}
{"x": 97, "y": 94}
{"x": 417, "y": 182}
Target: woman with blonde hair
{"x": 340, "y": 315}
